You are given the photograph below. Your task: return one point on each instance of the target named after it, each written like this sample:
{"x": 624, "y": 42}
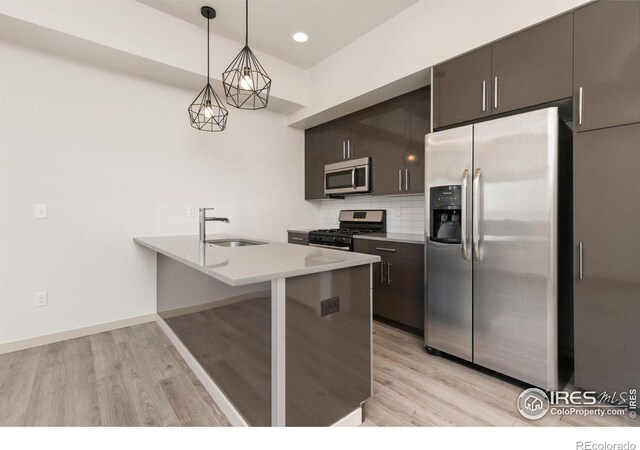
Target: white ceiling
{"x": 330, "y": 24}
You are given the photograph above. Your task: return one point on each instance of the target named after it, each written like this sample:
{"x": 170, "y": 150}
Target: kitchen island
{"x": 279, "y": 334}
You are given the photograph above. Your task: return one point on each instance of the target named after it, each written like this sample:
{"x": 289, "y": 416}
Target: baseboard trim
{"x": 353, "y": 419}
{"x": 24, "y": 344}
{"x": 225, "y": 405}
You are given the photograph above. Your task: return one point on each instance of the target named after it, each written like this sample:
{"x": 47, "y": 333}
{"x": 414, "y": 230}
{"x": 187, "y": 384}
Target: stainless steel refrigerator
{"x": 498, "y": 245}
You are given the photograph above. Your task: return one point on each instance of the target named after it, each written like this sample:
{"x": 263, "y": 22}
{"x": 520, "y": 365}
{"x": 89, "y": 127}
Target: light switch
{"x": 40, "y": 211}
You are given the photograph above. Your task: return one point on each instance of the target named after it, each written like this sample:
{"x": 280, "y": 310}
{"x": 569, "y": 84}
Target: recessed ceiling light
{"x": 300, "y": 37}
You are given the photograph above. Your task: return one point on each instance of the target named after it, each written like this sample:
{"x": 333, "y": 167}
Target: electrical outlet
{"x": 191, "y": 211}
{"x": 40, "y": 211}
{"x": 40, "y": 299}
{"x": 329, "y": 306}
{"x": 397, "y": 213}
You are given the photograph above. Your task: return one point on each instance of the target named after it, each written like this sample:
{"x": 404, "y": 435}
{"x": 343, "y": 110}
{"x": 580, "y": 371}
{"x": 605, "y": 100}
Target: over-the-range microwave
{"x": 348, "y": 177}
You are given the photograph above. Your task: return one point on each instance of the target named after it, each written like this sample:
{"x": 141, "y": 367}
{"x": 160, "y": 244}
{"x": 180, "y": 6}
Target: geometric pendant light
{"x": 246, "y": 83}
{"x": 207, "y": 112}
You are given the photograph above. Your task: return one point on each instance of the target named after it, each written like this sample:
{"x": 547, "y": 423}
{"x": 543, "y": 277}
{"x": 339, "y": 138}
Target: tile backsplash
{"x": 405, "y": 214}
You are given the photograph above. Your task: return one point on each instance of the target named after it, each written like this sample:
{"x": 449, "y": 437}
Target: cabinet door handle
{"x": 349, "y": 155}
{"x": 484, "y": 95}
{"x": 344, "y": 150}
{"x": 580, "y": 260}
{"x": 297, "y": 239}
{"x": 580, "y": 105}
{"x": 389, "y": 280}
{"x": 382, "y": 280}
{"x": 406, "y": 179}
{"x": 400, "y": 180}
{"x": 496, "y": 87}
{"x": 383, "y": 249}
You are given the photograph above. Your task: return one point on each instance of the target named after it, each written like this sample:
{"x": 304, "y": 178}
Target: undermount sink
{"x": 232, "y": 242}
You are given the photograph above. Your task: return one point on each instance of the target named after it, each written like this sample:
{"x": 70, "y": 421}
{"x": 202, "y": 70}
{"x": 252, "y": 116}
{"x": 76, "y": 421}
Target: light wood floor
{"x": 135, "y": 377}
{"x": 127, "y": 377}
{"x": 413, "y": 388}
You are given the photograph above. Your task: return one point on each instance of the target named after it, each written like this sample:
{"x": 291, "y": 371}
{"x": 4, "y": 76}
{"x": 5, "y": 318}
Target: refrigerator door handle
{"x": 476, "y": 215}
{"x": 463, "y": 215}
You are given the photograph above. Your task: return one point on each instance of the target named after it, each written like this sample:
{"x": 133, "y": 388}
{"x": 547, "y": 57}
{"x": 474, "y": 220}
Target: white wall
{"x": 113, "y": 156}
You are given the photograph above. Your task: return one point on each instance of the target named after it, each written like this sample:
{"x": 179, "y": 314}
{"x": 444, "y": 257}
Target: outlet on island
{"x": 329, "y": 306}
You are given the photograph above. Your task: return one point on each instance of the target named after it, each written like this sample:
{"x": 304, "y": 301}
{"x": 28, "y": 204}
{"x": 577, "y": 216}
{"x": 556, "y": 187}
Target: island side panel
{"x": 328, "y": 358}
{"x": 278, "y": 353}
{"x": 227, "y": 330}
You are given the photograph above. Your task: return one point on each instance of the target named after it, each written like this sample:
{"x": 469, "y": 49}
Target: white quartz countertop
{"x": 238, "y": 266}
{"x": 393, "y": 237}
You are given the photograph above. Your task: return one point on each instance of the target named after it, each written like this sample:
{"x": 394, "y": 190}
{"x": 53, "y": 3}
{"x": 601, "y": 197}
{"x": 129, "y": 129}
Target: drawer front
{"x": 299, "y": 238}
{"x": 389, "y": 249}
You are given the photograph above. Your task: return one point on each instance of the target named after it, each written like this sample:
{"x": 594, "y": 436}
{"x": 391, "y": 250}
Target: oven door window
{"x": 340, "y": 179}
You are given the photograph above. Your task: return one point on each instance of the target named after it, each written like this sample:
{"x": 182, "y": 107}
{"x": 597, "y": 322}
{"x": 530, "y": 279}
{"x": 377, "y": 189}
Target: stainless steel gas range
{"x": 352, "y": 222}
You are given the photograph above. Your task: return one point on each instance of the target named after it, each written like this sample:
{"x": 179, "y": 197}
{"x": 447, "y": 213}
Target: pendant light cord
{"x": 246, "y": 24}
{"x": 208, "y": 21}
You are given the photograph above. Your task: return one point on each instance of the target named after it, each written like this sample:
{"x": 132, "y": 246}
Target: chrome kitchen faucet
{"x": 203, "y": 222}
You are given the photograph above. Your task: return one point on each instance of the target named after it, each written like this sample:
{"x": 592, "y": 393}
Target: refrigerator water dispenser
{"x": 445, "y": 214}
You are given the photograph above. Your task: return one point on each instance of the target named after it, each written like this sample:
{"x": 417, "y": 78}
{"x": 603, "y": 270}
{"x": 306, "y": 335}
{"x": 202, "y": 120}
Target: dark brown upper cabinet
{"x": 526, "y": 69}
{"x": 418, "y": 124}
{"x": 348, "y": 137}
{"x": 316, "y": 155}
{"x": 461, "y": 88}
{"x": 390, "y": 133}
{"x": 606, "y": 63}
{"x": 388, "y": 143}
{"x": 533, "y": 67}
{"x": 398, "y": 128}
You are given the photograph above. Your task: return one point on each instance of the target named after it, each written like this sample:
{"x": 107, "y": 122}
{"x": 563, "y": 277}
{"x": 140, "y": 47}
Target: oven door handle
{"x": 329, "y": 247}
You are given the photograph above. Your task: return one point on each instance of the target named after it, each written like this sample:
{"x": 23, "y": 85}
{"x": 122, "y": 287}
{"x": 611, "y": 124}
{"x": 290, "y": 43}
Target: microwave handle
{"x": 353, "y": 178}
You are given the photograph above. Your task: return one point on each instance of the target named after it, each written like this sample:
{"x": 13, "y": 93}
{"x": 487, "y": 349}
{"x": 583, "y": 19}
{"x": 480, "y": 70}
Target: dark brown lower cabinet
{"x": 398, "y": 283}
{"x": 405, "y": 292}
{"x": 298, "y": 238}
{"x": 607, "y": 250}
